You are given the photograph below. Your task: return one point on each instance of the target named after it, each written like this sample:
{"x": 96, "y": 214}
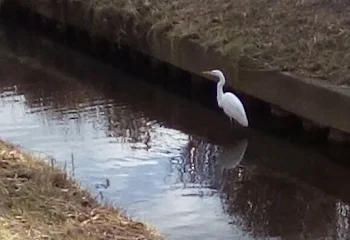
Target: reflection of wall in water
{"x": 269, "y": 206}
{"x": 76, "y": 104}
{"x": 129, "y": 125}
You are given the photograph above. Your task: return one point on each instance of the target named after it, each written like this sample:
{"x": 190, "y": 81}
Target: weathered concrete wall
{"x": 299, "y": 162}
{"x": 310, "y": 99}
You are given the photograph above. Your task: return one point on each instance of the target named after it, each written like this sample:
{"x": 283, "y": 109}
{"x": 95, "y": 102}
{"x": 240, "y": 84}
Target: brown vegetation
{"x": 308, "y": 37}
{"x": 38, "y": 201}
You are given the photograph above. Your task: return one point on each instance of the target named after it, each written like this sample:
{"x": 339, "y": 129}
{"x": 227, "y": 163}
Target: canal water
{"x": 163, "y": 159}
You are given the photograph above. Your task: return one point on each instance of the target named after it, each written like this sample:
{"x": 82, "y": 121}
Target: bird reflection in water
{"x": 203, "y": 165}
{"x": 229, "y": 159}
{"x": 194, "y": 167}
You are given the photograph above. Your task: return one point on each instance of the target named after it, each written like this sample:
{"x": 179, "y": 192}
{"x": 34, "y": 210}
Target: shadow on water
{"x": 163, "y": 158}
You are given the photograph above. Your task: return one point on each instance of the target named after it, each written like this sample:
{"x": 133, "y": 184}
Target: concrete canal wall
{"x": 319, "y": 103}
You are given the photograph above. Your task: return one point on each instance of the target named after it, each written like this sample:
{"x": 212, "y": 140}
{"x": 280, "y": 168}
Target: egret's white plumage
{"x": 229, "y": 102}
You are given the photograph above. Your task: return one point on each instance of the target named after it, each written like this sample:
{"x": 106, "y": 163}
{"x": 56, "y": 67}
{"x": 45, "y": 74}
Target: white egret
{"x": 229, "y": 102}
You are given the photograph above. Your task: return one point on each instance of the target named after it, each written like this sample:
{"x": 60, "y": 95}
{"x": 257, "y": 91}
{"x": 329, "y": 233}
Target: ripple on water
{"x": 129, "y": 137}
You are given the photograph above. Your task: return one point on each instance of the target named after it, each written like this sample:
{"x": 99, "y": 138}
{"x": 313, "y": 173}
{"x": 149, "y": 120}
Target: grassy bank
{"x": 38, "y": 201}
{"x": 310, "y": 38}
{"x": 285, "y": 36}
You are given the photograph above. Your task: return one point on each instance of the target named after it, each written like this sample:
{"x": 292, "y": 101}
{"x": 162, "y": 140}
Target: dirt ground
{"x": 39, "y": 201}
{"x": 310, "y": 38}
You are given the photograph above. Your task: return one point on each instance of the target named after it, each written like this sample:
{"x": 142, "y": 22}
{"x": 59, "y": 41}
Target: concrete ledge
{"x": 313, "y": 100}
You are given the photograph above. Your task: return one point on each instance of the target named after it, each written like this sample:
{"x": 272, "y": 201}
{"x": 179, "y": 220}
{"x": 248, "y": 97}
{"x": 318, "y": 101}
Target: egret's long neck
{"x": 219, "y": 89}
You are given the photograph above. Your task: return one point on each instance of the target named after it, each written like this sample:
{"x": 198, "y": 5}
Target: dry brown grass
{"x": 310, "y": 38}
{"x": 307, "y": 37}
{"x": 38, "y": 201}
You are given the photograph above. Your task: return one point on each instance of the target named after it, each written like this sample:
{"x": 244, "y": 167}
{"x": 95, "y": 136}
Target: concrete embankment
{"x": 39, "y": 201}
{"x": 142, "y": 26}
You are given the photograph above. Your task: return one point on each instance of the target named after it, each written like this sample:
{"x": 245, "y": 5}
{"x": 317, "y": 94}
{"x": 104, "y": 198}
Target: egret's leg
{"x": 231, "y": 123}
{"x": 222, "y": 180}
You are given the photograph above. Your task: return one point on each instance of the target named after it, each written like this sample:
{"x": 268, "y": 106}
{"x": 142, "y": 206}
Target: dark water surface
{"x": 165, "y": 160}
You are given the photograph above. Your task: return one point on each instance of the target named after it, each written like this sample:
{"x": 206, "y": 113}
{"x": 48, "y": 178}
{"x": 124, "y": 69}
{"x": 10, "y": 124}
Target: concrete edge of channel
{"x": 314, "y": 101}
